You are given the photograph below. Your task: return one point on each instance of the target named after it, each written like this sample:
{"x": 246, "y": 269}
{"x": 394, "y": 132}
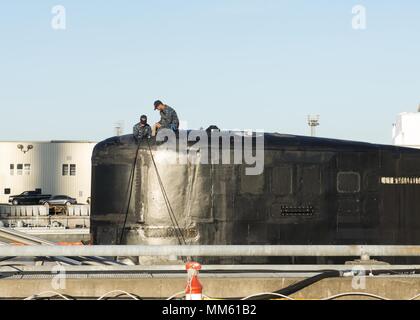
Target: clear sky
{"x": 252, "y": 64}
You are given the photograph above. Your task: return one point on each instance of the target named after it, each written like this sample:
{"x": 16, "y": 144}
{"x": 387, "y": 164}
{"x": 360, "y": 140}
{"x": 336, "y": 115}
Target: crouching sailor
{"x": 142, "y": 130}
{"x": 168, "y": 117}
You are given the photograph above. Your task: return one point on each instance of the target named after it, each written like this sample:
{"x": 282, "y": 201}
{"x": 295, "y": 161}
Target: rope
{"x": 130, "y": 191}
{"x": 362, "y": 294}
{"x": 120, "y": 292}
{"x": 182, "y": 294}
{"x": 415, "y": 297}
{"x": 55, "y": 294}
{"x": 191, "y": 273}
{"x": 268, "y": 294}
{"x": 176, "y": 295}
{"x": 167, "y": 202}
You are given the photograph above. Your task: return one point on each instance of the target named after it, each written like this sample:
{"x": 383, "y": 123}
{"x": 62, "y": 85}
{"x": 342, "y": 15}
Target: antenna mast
{"x": 313, "y": 122}
{"x": 119, "y": 128}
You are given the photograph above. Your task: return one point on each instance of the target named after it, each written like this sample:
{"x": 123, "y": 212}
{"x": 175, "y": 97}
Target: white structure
{"x": 406, "y": 131}
{"x": 54, "y": 167}
{"x": 313, "y": 122}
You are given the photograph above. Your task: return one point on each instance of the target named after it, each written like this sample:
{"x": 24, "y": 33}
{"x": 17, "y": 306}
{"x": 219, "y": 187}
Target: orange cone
{"x": 194, "y": 289}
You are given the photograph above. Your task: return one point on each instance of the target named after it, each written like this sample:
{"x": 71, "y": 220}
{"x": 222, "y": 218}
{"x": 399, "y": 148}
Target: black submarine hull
{"x": 313, "y": 191}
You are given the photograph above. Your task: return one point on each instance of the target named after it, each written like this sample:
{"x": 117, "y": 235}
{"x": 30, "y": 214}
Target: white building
{"x": 406, "y": 131}
{"x": 53, "y": 167}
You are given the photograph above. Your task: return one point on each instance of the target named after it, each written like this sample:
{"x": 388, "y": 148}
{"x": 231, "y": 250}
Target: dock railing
{"x": 363, "y": 251}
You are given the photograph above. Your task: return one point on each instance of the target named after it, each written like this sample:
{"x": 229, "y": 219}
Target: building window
{"x": 19, "y": 169}
{"x": 27, "y": 169}
{"x": 69, "y": 169}
{"x": 65, "y": 171}
{"x": 348, "y": 182}
{"x": 12, "y": 169}
{"x": 7, "y": 191}
{"x": 72, "y": 169}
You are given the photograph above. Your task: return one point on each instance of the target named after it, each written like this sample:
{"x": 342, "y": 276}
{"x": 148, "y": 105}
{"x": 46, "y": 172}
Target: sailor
{"x": 168, "y": 117}
{"x": 142, "y": 130}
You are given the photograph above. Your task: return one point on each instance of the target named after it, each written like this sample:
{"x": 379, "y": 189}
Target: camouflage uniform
{"x": 169, "y": 119}
{"x": 141, "y": 132}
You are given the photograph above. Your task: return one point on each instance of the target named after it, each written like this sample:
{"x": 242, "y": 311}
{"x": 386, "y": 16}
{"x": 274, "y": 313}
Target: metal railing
{"x": 34, "y": 242}
{"x": 213, "y": 251}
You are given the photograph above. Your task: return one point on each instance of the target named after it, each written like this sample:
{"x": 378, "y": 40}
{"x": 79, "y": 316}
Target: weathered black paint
{"x": 295, "y": 201}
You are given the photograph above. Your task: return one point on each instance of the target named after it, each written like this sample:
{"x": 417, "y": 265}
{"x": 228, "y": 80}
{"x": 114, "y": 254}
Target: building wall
{"x": 406, "y": 131}
{"x": 46, "y": 161}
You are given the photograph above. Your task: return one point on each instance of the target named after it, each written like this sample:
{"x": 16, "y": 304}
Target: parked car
{"x": 58, "y": 201}
{"x": 28, "y": 198}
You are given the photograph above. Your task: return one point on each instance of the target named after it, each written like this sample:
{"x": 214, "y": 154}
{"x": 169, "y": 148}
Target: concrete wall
{"x": 46, "y": 160}
{"x": 162, "y": 287}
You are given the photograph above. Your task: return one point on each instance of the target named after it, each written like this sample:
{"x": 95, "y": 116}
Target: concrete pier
{"x": 162, "y": 282}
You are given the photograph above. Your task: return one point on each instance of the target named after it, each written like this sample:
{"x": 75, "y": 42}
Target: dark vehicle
{"x": 28, "y": 198}
{"x": 313, "y": 191}
{"x": 59, "y": 201}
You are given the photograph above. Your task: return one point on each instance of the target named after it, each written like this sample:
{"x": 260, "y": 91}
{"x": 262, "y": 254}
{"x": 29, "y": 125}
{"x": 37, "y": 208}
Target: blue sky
{"x": 259, "y": 64}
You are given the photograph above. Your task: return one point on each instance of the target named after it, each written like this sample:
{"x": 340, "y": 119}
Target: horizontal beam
{"x": 211, "y": 251}
{"x": 35, "y": 242}
{"x": 180, "y": 268}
